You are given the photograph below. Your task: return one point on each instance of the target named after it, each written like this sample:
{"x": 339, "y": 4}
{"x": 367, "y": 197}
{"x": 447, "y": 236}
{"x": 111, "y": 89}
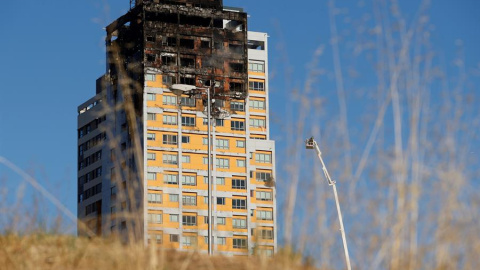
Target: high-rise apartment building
{"x": 142, "y": 147}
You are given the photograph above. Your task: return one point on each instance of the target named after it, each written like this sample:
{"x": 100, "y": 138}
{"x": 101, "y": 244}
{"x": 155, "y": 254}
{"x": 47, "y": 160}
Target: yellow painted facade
{"x": 177, "y": 155}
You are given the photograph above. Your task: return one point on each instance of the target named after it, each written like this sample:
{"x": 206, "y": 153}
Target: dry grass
{"x": 41, "y": 251}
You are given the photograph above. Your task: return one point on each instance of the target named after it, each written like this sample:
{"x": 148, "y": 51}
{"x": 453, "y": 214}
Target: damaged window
{"x": 187, "y": 43}
{"x": 169, "y": 41}
{"x": 237, "y": 87}
{"x": 150, "y": 38}
{"x": 235, "y": 48}
{"x": 151, "y": 57}
{"x": 205, "y": 44}
{"x": 218, "y": 45}
{"x": 169, "y": 60}
{"x": 187, "y": 80}
{"x": 187, "y": 62}
{"x": 236, "y": 67}
{"x": 256, "y": 45}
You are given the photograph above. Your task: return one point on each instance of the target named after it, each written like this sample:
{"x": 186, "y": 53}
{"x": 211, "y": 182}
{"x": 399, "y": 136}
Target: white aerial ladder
{"x": 312, "y": 144}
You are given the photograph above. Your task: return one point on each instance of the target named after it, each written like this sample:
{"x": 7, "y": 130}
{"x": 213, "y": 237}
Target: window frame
{"x": 151, "y": 116}
{"x": 169, "y": 119}
{"x": 188, "y": 121}
{"x": 239, "y": 203}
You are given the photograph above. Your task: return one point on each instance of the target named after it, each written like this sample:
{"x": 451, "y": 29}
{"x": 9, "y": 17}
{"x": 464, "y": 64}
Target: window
{"x": 154, "y": 218}
{"x": 220, "y": 181}
{"x": 151, "y": 156}
{"x": 263, "y": 176}
{"x": 241, "y": 144}
{"x": 151, "y": 136}
{"x": 158, "y": 238}
{"x": 151, "y": 57}
{"x": 205, "y": 200}
{"x": 239, "y": 204}
{"x": 205, "y": 44}
{"x": 263, "y": 158}
{"x": 170, "y": 159}
{"x": 266, "y": 234}
{"x": 170, "y": 179}
{"x": 169, "y": 41}
{"x": 264, "y": 195}
{"x": 173, "y": 197}
{"x": 222, "y": 163}
{"x": 174, "y": 238}
{"x": 154, "y": 198}
{"x": 189, "y": 220}
{"x": 189, "y": 240}
{"x": 113, "y": 191}
{"x": 188, "y": 121}
{"x": 236, "y": 67}
{"x": 222, "y": 241}
{"x": 205, "y": 141}
{"x": 169, "y": 139}
{"x": 169, "y": 100}
{"x": 151, "y": 176}
{"x": 221, "y": 221}
{"x": 257, "y": 122}
{"x": 205, "y": 220}
{"x": 239, "y": 223}
{"x": 185, "y": 159}
{"x": 256, "y": 67}
{"x": 187, "y": 80}
{"x": 169, "y": 80}
{"x": 189, "y": 180}
{"x": 205, "y": 179}
{"x": 222, "y": 144}
{"x": 149, "y": 77}
{"x": 173, "y": 218}
{"x": 151, "y": 97}
{"x": 221, "y": 200}
{"x": 237, "y": 125}
{"x": 185, "y": 139}
{"x": 266, "y": 252}
{"x": 169, "y": 59}
{"x": 239, "y": 243}
{"x": 187, "y": 43}
{"x": 256, "y": 86}
{"x": 264, "y": 215}
{"x": 239, "y": 184}
{"x": 169, "y": 120}
{"x": 236, "y": 87}
{"x": 237, "y": 106}
{"x": 219, "y": 122}
{"x": 240, "y": 163}
{"x": 189, "y": 200}
{"x": 151, "y": 116}
{"x": 189, "y": 102}
{"x": 257, "y": 104}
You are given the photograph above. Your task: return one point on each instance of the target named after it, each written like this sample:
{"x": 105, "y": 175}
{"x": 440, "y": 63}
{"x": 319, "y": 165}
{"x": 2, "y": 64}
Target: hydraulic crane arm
{"x": 312, "y": 144}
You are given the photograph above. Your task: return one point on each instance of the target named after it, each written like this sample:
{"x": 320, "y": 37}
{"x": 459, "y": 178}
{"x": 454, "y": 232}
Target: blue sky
{"x": 53, "y": 51}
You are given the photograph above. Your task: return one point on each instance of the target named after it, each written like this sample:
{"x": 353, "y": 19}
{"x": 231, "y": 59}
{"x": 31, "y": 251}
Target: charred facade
{"x": 189, "y": 42}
